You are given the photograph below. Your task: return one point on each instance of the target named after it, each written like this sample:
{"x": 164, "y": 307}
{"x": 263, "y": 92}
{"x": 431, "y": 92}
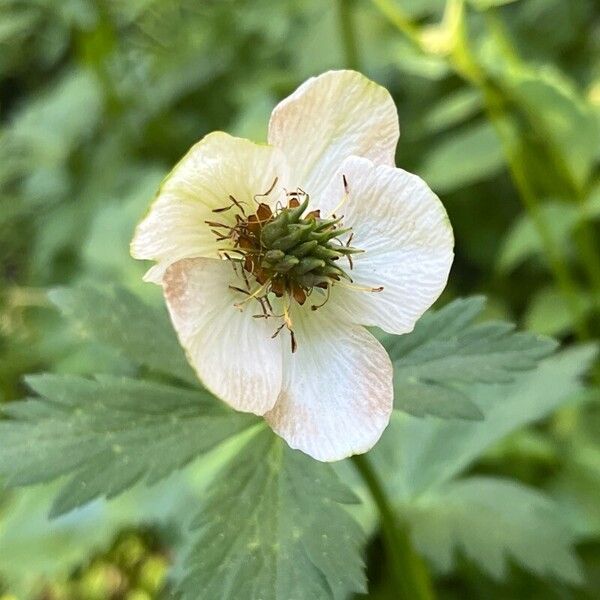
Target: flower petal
{"x": 404, "y": 230}
{"x": 216, "y": 167}
{"x": 232, "y": 352}
{"x": 329, "y": 118}
{"x": 337, "y": 394}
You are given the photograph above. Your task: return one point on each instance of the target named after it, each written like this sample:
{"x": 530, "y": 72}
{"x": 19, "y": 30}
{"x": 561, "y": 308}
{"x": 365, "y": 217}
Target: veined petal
{"x": 404, "y": 230}
{"x": 215, "y": 168}
{"x": 329, "y": 118}
{"x": 232, "y": 352}
{"x": 337, "y": 393}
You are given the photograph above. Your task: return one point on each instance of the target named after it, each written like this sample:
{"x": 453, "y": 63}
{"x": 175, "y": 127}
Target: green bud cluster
{"x": 303, "y": 250}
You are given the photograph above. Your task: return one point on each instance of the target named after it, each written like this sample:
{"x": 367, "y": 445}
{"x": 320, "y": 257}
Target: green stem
{"x": 588, "y": 252}
{"x": 462, "y": 61}
{"x": 396, "y": 16}
{"x": 409, "y": 572}
{"x": 348, "y": 33}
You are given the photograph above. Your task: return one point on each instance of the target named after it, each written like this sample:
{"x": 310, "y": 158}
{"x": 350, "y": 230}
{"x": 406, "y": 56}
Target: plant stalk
{"x": 348, "y": 34}
{"x": 409, "y": 573}
{"x": 461, "y": 60}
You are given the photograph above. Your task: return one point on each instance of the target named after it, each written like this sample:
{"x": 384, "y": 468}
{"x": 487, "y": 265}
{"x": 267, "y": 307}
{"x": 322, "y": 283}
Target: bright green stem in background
{"x": 348, "y": 33}
{"x": 464, "y": 64}
{"x": 585, "y": 240}
{"x": 409, "y": 572}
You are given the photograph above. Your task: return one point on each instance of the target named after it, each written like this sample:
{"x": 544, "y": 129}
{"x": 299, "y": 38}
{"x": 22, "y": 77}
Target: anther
{"x": 264, "y": 194}
{"x": 327, "y": 294}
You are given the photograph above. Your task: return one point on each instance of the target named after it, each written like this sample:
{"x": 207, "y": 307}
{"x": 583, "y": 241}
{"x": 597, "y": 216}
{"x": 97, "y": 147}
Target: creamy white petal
{"x": 404, "y": 230}
{"x": 337, "y": 393}
{"x": 329, "y": 118}
{"x": 215, "y": 168}
{"x": 232, "y": 352}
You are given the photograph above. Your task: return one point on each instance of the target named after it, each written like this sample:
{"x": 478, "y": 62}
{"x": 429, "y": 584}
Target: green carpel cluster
{"x": 291, "y": 251}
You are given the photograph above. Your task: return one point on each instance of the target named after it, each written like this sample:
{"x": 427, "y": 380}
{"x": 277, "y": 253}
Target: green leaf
{"x": 524, "y": 241}
{"x": 421, "y": 454}
{"x": 108, "y": 434}
{"x": 56, "y": 120}
{"x": 452, "y": 110}
{"x": 464, "y": 157}
{"x": 414, "y": 62}
{"x": 562, "y": 118}
{"x": 548, "y": 312}
{"x": 447, "y": 349}
{"x": 591, "y": 207}
{"x": 273, "y": 528}
{"x": 491, "y": 520}
{"x": 115, "y": 317}
{"x": 485, "y": 4}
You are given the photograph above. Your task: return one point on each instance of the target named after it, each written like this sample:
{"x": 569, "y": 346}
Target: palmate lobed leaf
{"x": 117, "y": 318}
{"x": 108, "y": 433}
{"x": 494, "y": 521}
{"x": 273, "y": 528}
{"x": 448, "y": 350}
{"x": 422, "y": 454}
{"x": 272, "y": 525}
{"x": 491, "y": 519}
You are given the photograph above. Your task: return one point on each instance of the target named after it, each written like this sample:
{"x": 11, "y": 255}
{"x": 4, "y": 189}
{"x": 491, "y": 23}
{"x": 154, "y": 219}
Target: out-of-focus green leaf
{"x": 452, "y": 110}
{"x": 53, "y": 124}
{"x": 591, "y": 207}
{"x": 411, "y": 61}
{"x": 549, "y": 314}
{"x": 464, "y": 157}
{"x": 273, "y": 528}
{"x": 561, "y": 118}
{"x": 491, "y": 520}
{"x": 15, "y": 27}
{"x": 106, "y": 247}
{"x": 485, "y": 4}
{"x": 107, "y": 434}
{"x": 448, "y": 349}
{"x": 118, "y": 318}
{"x": 523, "y": 240}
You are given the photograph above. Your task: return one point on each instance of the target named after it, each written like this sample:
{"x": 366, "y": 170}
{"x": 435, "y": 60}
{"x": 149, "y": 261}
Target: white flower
{"x": 313, "y": 236}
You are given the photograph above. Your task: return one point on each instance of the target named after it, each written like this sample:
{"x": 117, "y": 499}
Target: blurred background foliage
{"x": 499, "y": 104}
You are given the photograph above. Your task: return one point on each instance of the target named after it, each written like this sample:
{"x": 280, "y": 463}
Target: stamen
{"x": 286, "y": 311}
{"x": 220, "y": 236}
{"x": 254, "y": 294}
{"x": 265, "y": 314}
{"x": 344, "y": 199}
{"x": 299, "y": 192}
{"x": 234, "y": 202}
{"x": 287, "y": 251}
{"x": 359, "y": 288}
{"x": 327, "y": 294}
{"x": 265, "y": 194}
{"x": 349, "y": 256}
{"x": 233, "y": 264}
{"x": 238, "y": 289}
{"x": 217, "y": 224}
{"x": 277, "y": 331}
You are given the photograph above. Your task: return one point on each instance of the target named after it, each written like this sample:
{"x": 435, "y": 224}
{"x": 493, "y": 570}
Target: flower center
{"x": 289, "y": 252}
